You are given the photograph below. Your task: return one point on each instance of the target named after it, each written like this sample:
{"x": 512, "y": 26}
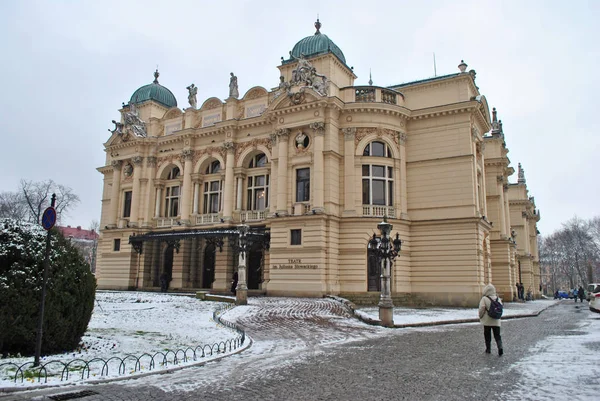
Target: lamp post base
{"x": 386, "y": 315}
{"x": 241, "y": 297}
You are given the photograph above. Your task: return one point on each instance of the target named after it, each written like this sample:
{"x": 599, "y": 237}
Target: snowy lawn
{"x": 408, "y": 316}
{"x": 134, "y": 323}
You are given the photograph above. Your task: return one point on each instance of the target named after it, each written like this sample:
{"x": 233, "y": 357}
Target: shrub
{"x": 70, "y": 290}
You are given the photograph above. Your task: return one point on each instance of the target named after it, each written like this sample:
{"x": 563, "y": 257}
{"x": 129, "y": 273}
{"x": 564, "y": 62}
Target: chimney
{"x": 79, "y": 227}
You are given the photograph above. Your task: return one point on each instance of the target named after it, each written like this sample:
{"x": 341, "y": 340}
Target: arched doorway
{"x": 208, "y": 266}
{"x": 373, "y": 271}
{"x": 255, "y": 256}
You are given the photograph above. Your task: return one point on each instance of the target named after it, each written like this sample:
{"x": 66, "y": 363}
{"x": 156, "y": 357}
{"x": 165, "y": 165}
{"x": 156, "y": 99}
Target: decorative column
{"x": 229, "y": 147}
{"x": 114, "y": 196}
{"x": 150, "y": 172}
{"x": 159, "y": 186}
{"x": 318, "y": 173}
{"x": 188, "y": 156}
{"x": 403, "y": 186}
{"x": 282, "y": 171}
{"x": 197, "y": 184}
{"x": 240, "y": 195}
{"x": 136, "y": 195}
{"x": 241, "y": 291}
{"x": 349, "y": 171}
{"x": 273, "y": 173}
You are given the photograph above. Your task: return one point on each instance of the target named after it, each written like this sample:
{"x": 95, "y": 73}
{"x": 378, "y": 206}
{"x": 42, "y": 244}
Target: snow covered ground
{"x": 413, "y": 316}
{"x": 134, "y": 323}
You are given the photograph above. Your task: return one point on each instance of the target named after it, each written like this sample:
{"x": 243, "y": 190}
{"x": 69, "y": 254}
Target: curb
{"x": 376, "y": 322}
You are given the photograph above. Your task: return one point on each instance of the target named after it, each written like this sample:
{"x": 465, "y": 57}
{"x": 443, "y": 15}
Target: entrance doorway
{"x": 208, "y": 267}
{"x": 167, "y": 273}
{"x": 373, "y": 271}
{"x": 255, "y": 256}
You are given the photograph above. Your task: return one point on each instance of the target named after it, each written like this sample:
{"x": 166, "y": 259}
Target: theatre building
{"x": 312, "y": 165}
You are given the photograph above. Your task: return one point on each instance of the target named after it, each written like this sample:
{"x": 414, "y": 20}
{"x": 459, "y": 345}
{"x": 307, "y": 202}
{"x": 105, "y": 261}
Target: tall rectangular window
{"x": 117, "y": 245}
{"x": 127, "y": 204}
{"x": 212, "y": 196}
{"x": 172, "y": 202}
{"x": 258, "y": 192}
{"x": 295, "y": 237}
{"x": 303, "y": 185}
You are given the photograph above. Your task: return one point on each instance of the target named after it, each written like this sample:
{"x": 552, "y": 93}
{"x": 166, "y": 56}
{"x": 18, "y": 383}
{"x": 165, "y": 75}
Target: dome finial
{"x": 156, "y": 75}
{"x": 318, "y": 26}
{"x": 370, "y": 78}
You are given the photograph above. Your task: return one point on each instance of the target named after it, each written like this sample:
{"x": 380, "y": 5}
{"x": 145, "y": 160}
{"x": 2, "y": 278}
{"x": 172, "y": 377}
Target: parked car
{"x": 594, "y": 294}
{"x": 562, "y": 294}
{"x": 590, "y": 289}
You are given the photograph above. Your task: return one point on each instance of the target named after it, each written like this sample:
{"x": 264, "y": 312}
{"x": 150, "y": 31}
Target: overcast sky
{"x": 68, "y": 65}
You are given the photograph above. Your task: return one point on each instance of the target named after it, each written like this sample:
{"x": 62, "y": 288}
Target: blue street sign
{"x": 49, "y": 218}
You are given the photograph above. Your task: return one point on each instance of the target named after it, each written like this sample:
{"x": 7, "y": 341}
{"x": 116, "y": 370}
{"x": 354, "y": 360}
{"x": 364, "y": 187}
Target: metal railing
{"x": 128, "y": 363}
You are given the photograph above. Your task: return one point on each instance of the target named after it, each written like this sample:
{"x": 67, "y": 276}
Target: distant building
{"x": 313, "y": 165}
{"x": 84, "y": 240}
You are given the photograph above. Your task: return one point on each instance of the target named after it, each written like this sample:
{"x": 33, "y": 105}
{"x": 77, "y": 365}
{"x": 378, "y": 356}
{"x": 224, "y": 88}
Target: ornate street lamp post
{"x": 386, "y": 251}
{"x": 241, "y": 291}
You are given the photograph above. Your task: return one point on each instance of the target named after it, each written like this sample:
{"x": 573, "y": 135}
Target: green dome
{"x": 156, "y": 92}
{"x": 317, "y": 44}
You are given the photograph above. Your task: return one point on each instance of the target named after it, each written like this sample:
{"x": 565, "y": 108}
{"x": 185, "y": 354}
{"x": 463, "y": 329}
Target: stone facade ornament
{"x": 349, "y": 133}
{"x": 228, "y": 146}
{"x": 402, "y": 138}
{"x": 151, "y": 161}
{"x": 128, "y": 170}
{"x": 137, "y": 160}
{"x": 521, "y": 175}
{"x": 118, "y": 128}
{"x": 303, "y": 76}
{"x": 301, "y": 140}
{"x": 133, "y": 123}
{"x": 233, "y": 87}
{"x": 192, "y": 99}
{"x": 117, "y": 164}
{"x": 283, "y": 133}
{"x": 318, "y": 127}
{"x": 188, "y": 154}
{"x": 273, "y": 138}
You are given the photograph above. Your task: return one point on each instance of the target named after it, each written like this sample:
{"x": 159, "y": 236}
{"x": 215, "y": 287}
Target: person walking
{"x": 581, "y": 294}
{"x": 490, "y": 324}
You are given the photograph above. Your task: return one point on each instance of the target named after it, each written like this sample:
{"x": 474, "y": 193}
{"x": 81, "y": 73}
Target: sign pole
{"x": 48, "y": 221}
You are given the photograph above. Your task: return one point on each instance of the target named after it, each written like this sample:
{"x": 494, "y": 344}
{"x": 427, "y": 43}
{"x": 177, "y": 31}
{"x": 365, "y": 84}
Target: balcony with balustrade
{"x": 371, "y": 94}
{"x": 378, "y": 211}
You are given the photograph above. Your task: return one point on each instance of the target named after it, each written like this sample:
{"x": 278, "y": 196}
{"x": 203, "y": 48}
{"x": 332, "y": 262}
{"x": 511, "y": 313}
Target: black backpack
{"x": 496, "y": 309}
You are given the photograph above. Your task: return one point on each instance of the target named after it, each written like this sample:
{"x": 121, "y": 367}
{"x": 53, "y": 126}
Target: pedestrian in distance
{"x": 164, "y": 282}
{"x": 234, "y": 283}
{"x": 581, "y": 293}
{"x": 490, "y": 324}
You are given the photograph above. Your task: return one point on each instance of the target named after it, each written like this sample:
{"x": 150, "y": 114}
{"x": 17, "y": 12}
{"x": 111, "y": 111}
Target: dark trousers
{"x": 487, "y": 335}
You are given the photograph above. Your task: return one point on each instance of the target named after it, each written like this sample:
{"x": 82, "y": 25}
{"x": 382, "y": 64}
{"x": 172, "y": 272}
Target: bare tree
{"x": 94, "y": 226}
{"x": 37, "y": 195}
{"x": 12, "y": 206}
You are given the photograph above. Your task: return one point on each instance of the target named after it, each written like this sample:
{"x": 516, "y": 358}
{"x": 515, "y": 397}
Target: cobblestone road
{"x": 438, "y": 363}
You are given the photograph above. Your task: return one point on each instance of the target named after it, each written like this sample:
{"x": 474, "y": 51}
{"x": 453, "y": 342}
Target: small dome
{"x": 156, "y": 92}
{"x": 317, "y": 44}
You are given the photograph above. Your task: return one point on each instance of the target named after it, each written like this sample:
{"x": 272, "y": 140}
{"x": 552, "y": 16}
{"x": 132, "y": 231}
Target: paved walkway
{"x": 291, "y": 334}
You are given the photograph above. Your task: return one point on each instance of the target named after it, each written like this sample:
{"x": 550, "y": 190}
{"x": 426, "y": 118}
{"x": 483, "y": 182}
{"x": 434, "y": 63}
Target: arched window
{"x": 213, "y": 187}
{"x": 377, "y": 149}
{"x": 213, "y": 168}
{"x": 257, "y": 185}
{"x": 172, "y": 192}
